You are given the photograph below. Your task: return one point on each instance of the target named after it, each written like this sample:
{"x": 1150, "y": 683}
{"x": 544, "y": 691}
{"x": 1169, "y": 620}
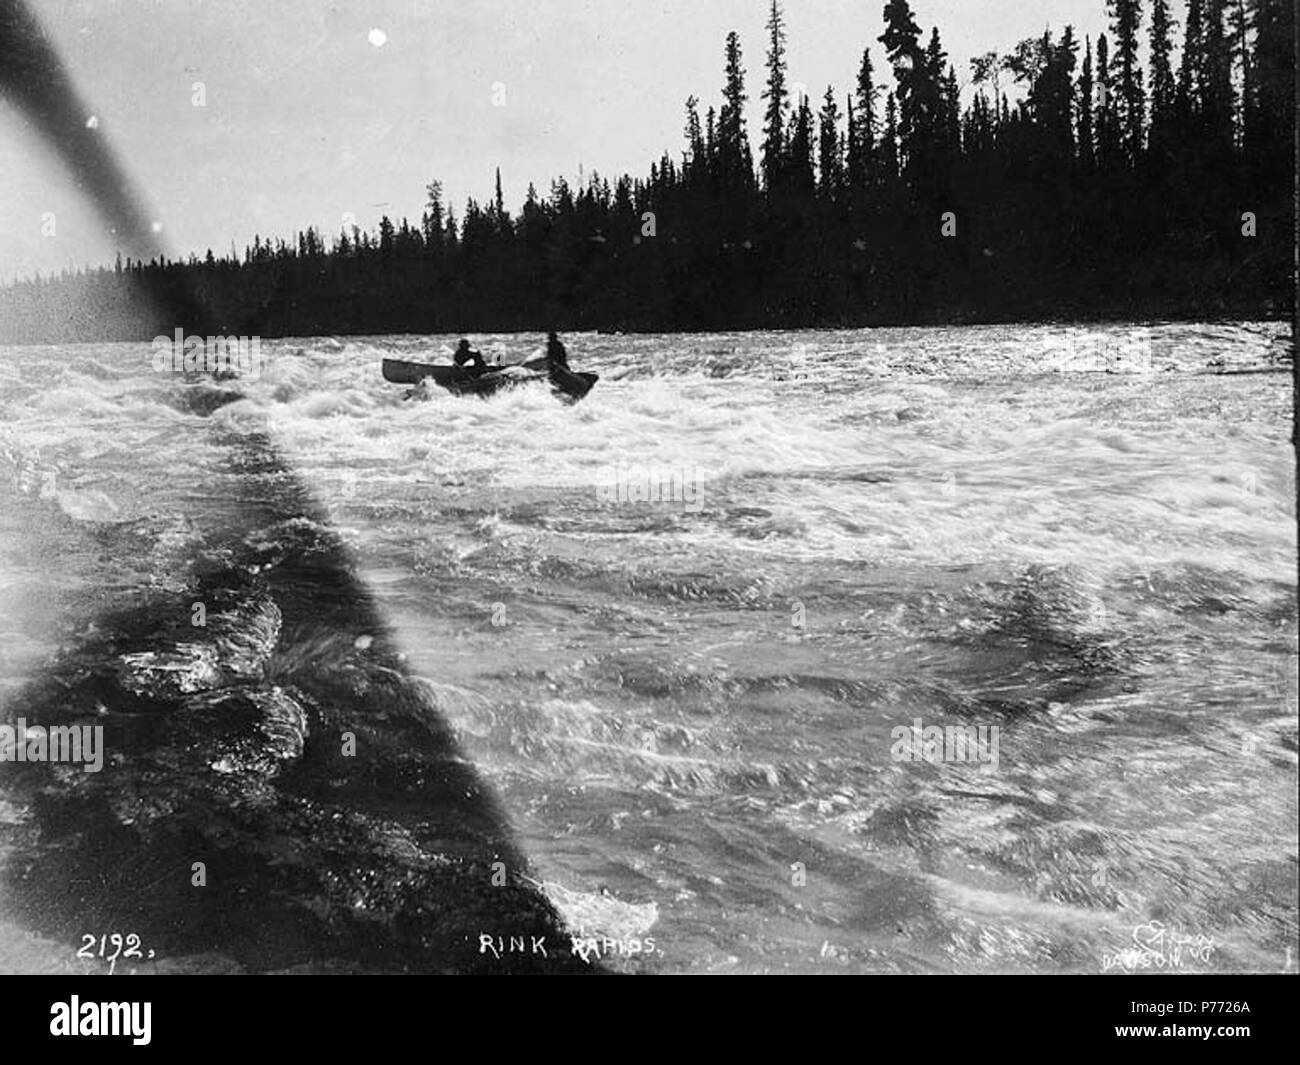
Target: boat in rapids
{"x": 488, "y": 380}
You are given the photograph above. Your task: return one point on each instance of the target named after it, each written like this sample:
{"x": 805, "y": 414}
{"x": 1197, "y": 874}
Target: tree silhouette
{"x": 777, "y": 98}
{"x": 1077, "y": 194}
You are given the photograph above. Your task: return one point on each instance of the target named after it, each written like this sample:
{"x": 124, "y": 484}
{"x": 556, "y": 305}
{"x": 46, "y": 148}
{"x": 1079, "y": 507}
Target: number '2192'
{"x": 117, "y": 941}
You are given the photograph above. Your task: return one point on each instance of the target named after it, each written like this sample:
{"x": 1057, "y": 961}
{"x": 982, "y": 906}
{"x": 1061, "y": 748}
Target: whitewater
{"x": 1080, "y": 540}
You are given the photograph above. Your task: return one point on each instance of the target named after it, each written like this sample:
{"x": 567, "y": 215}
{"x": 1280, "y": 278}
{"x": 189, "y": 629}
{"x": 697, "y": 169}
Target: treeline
{"x": 1110, "y": 188}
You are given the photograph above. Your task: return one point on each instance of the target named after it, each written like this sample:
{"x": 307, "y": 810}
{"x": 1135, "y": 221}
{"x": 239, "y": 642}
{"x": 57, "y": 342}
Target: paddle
{"x": 531, "y": 364}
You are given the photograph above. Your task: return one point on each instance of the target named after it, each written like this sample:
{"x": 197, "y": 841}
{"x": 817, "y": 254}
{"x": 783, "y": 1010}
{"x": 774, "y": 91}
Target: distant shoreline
{"x": 147, "y": 334}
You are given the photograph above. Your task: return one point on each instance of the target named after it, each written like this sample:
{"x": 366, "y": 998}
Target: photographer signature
{"x": 1156, "y": 946}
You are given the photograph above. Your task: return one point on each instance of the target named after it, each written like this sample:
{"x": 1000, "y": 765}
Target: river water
{"x": 679, "y": 628}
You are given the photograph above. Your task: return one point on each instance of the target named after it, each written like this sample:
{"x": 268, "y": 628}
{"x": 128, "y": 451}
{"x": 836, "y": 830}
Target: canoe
{"x": 487, "y": 380}
{"x": 401, "y": 372}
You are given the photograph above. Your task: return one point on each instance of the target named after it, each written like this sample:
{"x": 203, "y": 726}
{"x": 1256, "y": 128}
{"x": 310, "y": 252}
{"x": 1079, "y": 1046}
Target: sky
{"x": 239, "y": 117}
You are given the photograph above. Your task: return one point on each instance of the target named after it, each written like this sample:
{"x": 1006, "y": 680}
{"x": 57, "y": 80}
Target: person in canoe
{"x": 563, "y": 379}
{"x": 466, "y": 357}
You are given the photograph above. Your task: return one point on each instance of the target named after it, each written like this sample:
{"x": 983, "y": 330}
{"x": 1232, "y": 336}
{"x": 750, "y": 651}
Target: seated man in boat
{"x": 465, "y": 357}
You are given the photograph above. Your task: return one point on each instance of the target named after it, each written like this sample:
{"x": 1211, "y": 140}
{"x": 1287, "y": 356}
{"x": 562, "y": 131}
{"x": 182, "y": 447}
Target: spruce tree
{"x": 1240, "y": 24}
{"x": 735, "y": 160}
{"x": 830, "y": 163}
{"x": 433, "y": 218}
{"x": 1130, "y": 100}
{"x": 1086, "y": 89}
{"x": 799, "y": 151}
{"x": 900, "y": 39}
{"x": 1217, "y": 96}
{"x": 1163, "y": 89}
{"x": 1272, "y": 122}
{"x": 862, "y": 142}
{"x": 889, "y": 161}
{"x": 500, "y": 220}
{"x": 777, "y": 97}
{"x": 1190, "y": 86}
{"x": 1106, "y": 121}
